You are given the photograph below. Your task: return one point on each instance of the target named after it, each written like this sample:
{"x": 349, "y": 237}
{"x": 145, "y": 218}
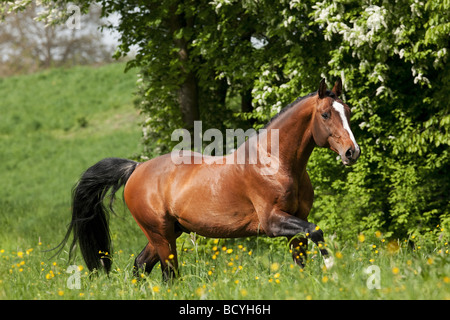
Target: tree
{"x": 394, "y": 61}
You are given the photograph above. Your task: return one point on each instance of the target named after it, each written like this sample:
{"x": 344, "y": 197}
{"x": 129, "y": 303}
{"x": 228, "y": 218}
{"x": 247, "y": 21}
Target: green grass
{"x": 57, "y": 123}
{"x": 241, "y": 269}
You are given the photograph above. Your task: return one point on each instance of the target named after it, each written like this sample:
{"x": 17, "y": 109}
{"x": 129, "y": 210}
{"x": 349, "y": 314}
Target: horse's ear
{"x": 337, "y": 89}
{"x": 322, "y": 89}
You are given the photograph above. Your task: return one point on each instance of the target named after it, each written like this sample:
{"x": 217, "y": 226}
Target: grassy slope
{"x": 54, "y": 125}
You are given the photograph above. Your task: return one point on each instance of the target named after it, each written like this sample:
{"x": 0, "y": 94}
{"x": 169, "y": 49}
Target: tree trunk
{"x": 246, "y": 100}
{"x": 246, "y": 104}
{"x": 188, "y": 92}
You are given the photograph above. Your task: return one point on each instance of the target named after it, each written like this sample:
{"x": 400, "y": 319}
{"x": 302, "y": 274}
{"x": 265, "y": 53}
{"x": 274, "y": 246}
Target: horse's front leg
{"x": 279, "y": 223}
{"x": 299, "y": 247}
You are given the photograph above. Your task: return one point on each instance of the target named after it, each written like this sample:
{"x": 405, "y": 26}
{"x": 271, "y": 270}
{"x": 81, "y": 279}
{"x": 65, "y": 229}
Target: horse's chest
{"x": 297, "y": 199}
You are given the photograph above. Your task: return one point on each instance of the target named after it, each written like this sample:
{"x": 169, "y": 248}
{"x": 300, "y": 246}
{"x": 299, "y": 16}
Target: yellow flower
{"x": 20, "y": 254}
{"x": 216, "y": 241}
{"x": 395, "y": 270}
{"x": 377, "y": 234}
{"x": 250, "y": 253}
{"x": 393, "y": 247}
{"x": 80, "y": 268}
{"x": 171, "y": 256}
{"x": 229, "y": 250}
{"x": 339, "y": 255}
{"x": 237, "y": 281}
{"x": 60, "y": 293}
{"x": 430, "y": 261}
{"x": 361, "y": 237}
{"x": 199, "y": 291}
{"x": 155, "y": 289}
{"x": 275, "y": 266}
{"x": 325, "y": 279}
{"x": 133, "y": 281}
{"x": 244, "y": 292}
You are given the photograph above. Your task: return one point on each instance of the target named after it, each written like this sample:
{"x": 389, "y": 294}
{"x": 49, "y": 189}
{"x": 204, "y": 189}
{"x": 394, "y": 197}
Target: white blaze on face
{"x": 340, "y": 109}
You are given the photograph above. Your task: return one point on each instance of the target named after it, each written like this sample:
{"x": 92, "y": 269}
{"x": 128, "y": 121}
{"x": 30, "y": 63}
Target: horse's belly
{"x": 223, "y": 215}
{"x": 221, "y": 228}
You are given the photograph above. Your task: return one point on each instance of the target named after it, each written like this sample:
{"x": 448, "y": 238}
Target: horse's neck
{"x": 295, "y": 137}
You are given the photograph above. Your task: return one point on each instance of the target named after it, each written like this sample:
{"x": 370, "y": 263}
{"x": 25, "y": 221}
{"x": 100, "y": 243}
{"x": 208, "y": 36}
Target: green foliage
{"x": 396, "y": 80}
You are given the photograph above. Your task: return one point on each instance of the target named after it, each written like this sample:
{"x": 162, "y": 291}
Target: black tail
{"x": 89, "y": 214}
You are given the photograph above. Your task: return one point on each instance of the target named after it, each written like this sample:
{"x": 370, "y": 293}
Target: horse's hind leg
{"x": 165, "y": 245}
{"x": 146, "y": 260}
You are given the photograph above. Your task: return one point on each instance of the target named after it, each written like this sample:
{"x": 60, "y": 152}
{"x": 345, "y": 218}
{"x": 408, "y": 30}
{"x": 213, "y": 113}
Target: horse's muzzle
{"x": 351, "y": 155}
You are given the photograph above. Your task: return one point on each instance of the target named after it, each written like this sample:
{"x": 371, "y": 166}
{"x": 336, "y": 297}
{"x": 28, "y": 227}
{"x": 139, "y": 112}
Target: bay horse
{"x": 219, "y": 200}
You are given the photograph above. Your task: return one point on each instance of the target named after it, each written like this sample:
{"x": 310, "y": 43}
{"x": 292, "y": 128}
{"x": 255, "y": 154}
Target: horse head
{"x": 331, "y": 124}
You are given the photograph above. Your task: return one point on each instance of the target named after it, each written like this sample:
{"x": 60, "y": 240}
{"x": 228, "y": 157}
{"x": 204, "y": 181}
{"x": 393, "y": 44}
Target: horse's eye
{"x": 325, "y": 115}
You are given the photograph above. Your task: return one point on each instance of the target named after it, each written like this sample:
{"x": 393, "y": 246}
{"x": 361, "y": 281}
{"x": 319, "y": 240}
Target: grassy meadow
{"x": 57, "y": 123}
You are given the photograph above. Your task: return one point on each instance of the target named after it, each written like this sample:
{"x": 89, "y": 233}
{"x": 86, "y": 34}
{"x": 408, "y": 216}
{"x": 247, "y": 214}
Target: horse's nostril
{"x": 349, "y": 153}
